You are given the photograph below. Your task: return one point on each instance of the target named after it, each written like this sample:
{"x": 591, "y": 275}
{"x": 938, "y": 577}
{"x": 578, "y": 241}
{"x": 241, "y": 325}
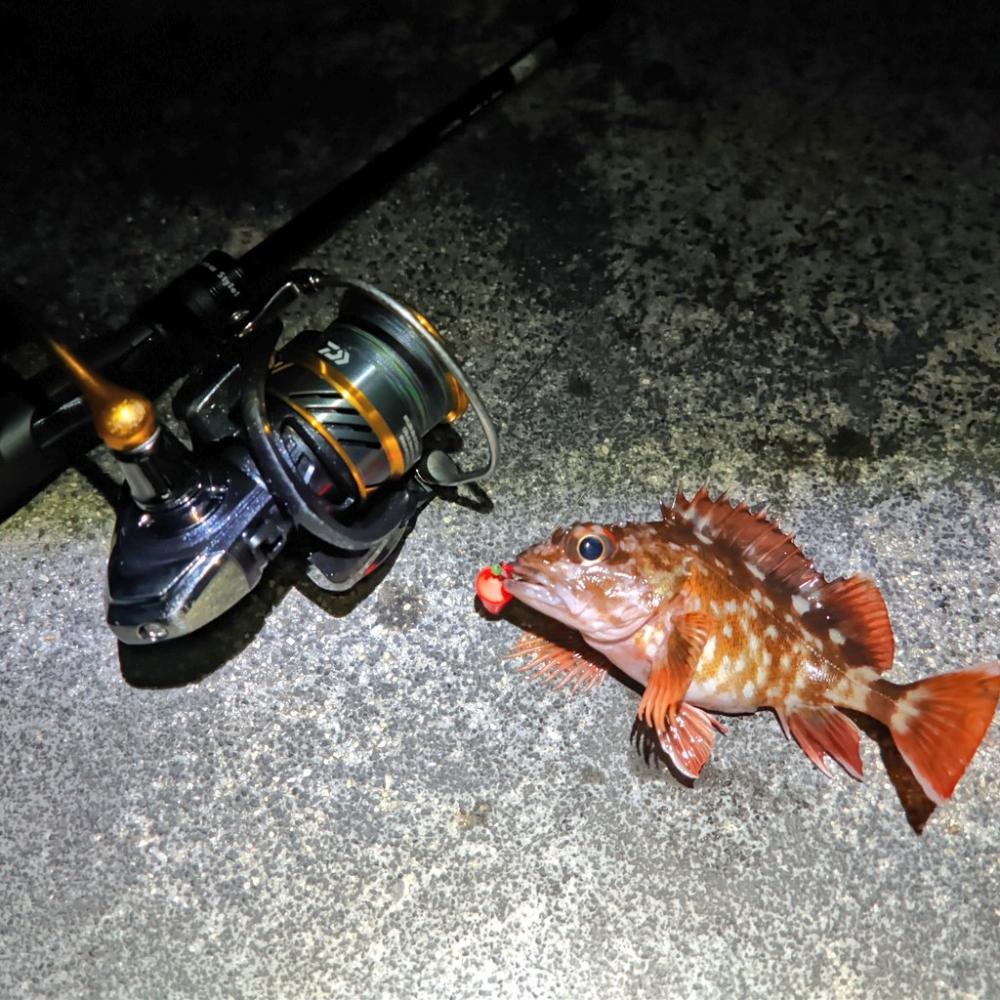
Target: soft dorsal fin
{"x": 854, "y": 608}
{"x": 848, "y": 613}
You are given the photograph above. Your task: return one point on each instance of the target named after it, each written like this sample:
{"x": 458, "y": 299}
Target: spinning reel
{"x": 332, "y": 435}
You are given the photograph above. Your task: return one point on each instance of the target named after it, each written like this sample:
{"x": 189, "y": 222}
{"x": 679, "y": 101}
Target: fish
{"x": 713, "y": 608}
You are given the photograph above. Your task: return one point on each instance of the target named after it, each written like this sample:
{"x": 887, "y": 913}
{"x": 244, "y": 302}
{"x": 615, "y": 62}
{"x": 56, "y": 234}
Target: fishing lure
{"x": 715, "y": 609}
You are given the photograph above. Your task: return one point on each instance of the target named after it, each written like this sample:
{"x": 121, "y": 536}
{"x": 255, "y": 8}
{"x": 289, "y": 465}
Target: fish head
{"x": 587, "y": 577}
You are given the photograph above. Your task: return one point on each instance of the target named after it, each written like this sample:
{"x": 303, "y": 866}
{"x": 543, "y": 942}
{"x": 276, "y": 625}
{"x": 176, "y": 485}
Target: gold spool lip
{"x": 340, "y": 383}
{"x": 123, "y": 418}
{"x": 459, "y": 400}
{"x": 363, "y": 489}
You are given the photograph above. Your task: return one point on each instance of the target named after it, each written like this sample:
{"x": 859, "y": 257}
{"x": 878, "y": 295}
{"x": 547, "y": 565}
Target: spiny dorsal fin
{"x": 849, "y": 613}
{"x": 758, "y": 542}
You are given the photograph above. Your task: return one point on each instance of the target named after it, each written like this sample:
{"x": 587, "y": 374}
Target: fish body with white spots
{"x": 714, "y": 608}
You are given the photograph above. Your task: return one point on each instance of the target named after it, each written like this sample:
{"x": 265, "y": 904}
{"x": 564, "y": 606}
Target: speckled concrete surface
{"x": 718, "y": 246}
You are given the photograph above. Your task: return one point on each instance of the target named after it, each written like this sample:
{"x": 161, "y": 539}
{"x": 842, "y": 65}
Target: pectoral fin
{"x": 566, "y": 664}
{"x": 672, "y": 669}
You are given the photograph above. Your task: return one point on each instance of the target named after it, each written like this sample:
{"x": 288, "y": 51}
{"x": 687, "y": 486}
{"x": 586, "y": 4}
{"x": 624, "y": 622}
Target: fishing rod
{"x": 342, "y": 437}
{"x": 204, "y": 306}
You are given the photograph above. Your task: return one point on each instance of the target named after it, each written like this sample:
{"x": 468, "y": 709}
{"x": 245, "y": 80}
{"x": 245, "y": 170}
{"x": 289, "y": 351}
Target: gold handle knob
{"x": 123, "y": 419}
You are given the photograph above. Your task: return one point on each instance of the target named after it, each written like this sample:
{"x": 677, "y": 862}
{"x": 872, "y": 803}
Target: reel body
{"x": 327, "y": 437}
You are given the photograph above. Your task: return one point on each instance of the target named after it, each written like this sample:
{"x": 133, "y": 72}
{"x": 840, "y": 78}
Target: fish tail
{"x": 938, "y": 723}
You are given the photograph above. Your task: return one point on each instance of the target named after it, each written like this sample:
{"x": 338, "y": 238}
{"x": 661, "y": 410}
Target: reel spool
{"x": 353, "y": 403}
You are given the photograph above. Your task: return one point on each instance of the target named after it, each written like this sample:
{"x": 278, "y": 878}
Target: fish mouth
{"x": 530, "y": 586}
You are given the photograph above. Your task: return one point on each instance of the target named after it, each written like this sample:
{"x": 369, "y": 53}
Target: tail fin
{"x": 938, "y": 723}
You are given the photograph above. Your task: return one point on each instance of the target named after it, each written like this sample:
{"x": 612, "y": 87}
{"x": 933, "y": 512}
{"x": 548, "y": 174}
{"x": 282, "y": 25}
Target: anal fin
{"x": 689, "y": 739}
{"x": 824, "y": 732}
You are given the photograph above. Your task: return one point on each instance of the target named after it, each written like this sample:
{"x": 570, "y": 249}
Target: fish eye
{"x": 592, "y": 548}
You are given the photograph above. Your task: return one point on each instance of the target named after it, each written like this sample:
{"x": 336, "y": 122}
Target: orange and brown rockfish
{"x": 715, "y": 608}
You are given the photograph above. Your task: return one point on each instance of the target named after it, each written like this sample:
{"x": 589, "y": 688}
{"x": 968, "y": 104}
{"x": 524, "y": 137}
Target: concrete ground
{"x": 717, "y": 245}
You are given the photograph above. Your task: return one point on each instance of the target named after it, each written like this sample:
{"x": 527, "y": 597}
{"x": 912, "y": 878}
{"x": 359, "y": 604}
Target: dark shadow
{"x": 917, "y": 806}
{"x": 23, "y": 323}
{"x": 473, "y": 498}
{"x": 104, "y": 484}
{"x": 338, "y": 604}
{"x": 647, "y": 746}
{"x": 186, "y": 661}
